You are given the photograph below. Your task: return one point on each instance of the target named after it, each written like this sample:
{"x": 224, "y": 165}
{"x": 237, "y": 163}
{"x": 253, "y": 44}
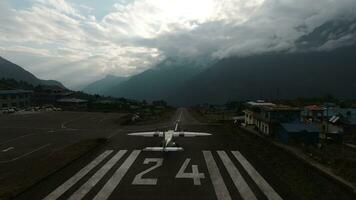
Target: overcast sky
{"x": 79, "y": 41}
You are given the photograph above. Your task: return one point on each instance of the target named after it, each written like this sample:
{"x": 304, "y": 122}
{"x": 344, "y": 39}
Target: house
{"x": 15, "y": 98}
{"x": 265, "y": 117}
{"x": 307, "y": 134}
{"x": 313, "y": 113}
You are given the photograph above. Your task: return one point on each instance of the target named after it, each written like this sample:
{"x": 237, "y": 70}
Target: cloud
{"x": 68, "y": 41}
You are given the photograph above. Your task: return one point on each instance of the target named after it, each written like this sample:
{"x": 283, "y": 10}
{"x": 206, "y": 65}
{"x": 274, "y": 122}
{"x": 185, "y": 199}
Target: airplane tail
{"x": 176, "y": 127}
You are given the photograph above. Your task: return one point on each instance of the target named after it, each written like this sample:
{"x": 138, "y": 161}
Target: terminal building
{"x": 15, "y": 98}
{"x": 265, "y": 116}
{"x": 280, "y": 121}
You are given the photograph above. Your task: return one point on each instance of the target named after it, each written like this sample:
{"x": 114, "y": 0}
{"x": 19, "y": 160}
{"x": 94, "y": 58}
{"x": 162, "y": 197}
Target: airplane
{"x": 168, "y": 144}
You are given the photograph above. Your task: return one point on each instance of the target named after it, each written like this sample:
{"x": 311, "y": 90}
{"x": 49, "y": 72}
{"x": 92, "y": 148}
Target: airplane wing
{"x": 189, "y": 134}
{"x": 162, "y": 149}
{"x": 147, "y": 134}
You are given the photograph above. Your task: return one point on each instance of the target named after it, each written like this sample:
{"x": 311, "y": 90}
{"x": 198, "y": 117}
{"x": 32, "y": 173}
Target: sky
{"x": 80, "y": 41}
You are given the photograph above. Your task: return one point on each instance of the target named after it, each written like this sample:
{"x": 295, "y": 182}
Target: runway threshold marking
{"x": 257, "y": 178}
{"x": 221, "y": 191}
{"x": 8, "y": 149}
{"x": 220, "y": 188}
{"x": 74, "y": 179}
{"x": 84, "y": 189}
{"x": 26, "y": 154}
{"x": 239, "y": 181}
{"x": 110, "y": 186}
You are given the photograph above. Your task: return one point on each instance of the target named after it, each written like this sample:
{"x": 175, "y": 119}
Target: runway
{"x": 216, "y": 167}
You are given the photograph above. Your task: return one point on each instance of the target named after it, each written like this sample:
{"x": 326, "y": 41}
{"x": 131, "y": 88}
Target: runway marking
{"x": 26, "y": 154}
{"x": 177, "y": 122}
{"x": 238, "y": 180}
{"x": 13, "y": 139}
{"x": 138, "y": 180}
{"x": 110, "y": 186}
{"x": 84, "y": 189}
{"x": 8, "y": 149}
{"x": 257, "y": 178}
{"x": 195, "y": 175}
{"x": 74, "y": 179}
{"x": 219, "y": 186}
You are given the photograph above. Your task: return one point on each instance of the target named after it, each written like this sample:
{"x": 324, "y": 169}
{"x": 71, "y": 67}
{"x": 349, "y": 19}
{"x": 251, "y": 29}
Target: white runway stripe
{"x": 110, "y": 186}
{"x": 74, "y": 179}
{"x": 259, "y": 180}
{"x": 84, "y": 189}
{"x": 219, "y": 186}
{"x": 238, "y": 180}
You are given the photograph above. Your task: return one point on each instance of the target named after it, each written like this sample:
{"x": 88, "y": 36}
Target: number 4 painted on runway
{"x": 195, "y": 175}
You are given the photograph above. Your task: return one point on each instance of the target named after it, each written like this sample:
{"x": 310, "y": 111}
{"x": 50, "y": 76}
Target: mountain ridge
{"x": 9, "y": 70}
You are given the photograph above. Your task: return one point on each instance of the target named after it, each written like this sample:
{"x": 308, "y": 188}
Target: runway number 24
{"x": 195, "y": 175}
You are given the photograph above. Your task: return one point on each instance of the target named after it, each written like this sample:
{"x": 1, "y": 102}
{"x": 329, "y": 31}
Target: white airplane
{"x": 168, "y": 144}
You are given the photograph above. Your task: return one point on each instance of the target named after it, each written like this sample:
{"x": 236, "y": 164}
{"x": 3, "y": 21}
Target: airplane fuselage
{"x": 168, "y": 138}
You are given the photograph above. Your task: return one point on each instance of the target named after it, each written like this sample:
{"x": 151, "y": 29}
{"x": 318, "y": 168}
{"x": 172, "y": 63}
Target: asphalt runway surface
{"x": 27, "y": 137}
{"x": 211, "y": 167}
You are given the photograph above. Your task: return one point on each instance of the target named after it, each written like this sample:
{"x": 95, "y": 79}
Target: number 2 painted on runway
{"x": 138, "y": 180}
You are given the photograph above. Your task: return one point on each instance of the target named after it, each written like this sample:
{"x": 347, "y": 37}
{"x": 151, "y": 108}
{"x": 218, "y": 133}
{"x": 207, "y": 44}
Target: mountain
{"x": 158, "y": 83}
{"x": 273, "y": 75}
{"x": 101, "y": 86}
{"x": 278, "y": 75}
{"x": 9, "y": 70}
{"x": 322, "y": 62}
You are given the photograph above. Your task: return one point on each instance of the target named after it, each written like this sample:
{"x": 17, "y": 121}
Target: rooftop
{"x": 15, "y": 91}
{"x": 314, "y": 108}
{"x": 280, "y": 108}
{"x": 260, "y": 103}
{"x": 271, "y": 106}
{"x": 300, "y": 127}
{"x": 72, "y": 100}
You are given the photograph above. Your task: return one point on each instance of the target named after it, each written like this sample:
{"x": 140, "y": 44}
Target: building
{"x": 72, "y": 103}
{"x": 50, "y": 94}
{"x": 266, "y": 117}
{"x": 299, "y": 133}
{"x": 252, "y": 107}
{"x": 15, "y": 98}
{"x": 313, "y": 113}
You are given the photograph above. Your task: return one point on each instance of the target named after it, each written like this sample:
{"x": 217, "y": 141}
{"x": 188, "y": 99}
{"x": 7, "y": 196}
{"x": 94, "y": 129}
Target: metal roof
{"x": 72, "y": 100}
{"x": 315, "y": 108}
{"x": 15, "y": 91}
{"x": 253, "y": 103}
{"x": 300, "y": 127}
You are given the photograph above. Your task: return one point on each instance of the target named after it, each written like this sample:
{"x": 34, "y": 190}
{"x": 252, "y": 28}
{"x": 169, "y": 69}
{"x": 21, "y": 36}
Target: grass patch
{"x": 36, "y": 171}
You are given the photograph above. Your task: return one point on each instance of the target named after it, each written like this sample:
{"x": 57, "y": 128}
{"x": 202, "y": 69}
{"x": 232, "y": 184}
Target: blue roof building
{"x": 298, "y": 133}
